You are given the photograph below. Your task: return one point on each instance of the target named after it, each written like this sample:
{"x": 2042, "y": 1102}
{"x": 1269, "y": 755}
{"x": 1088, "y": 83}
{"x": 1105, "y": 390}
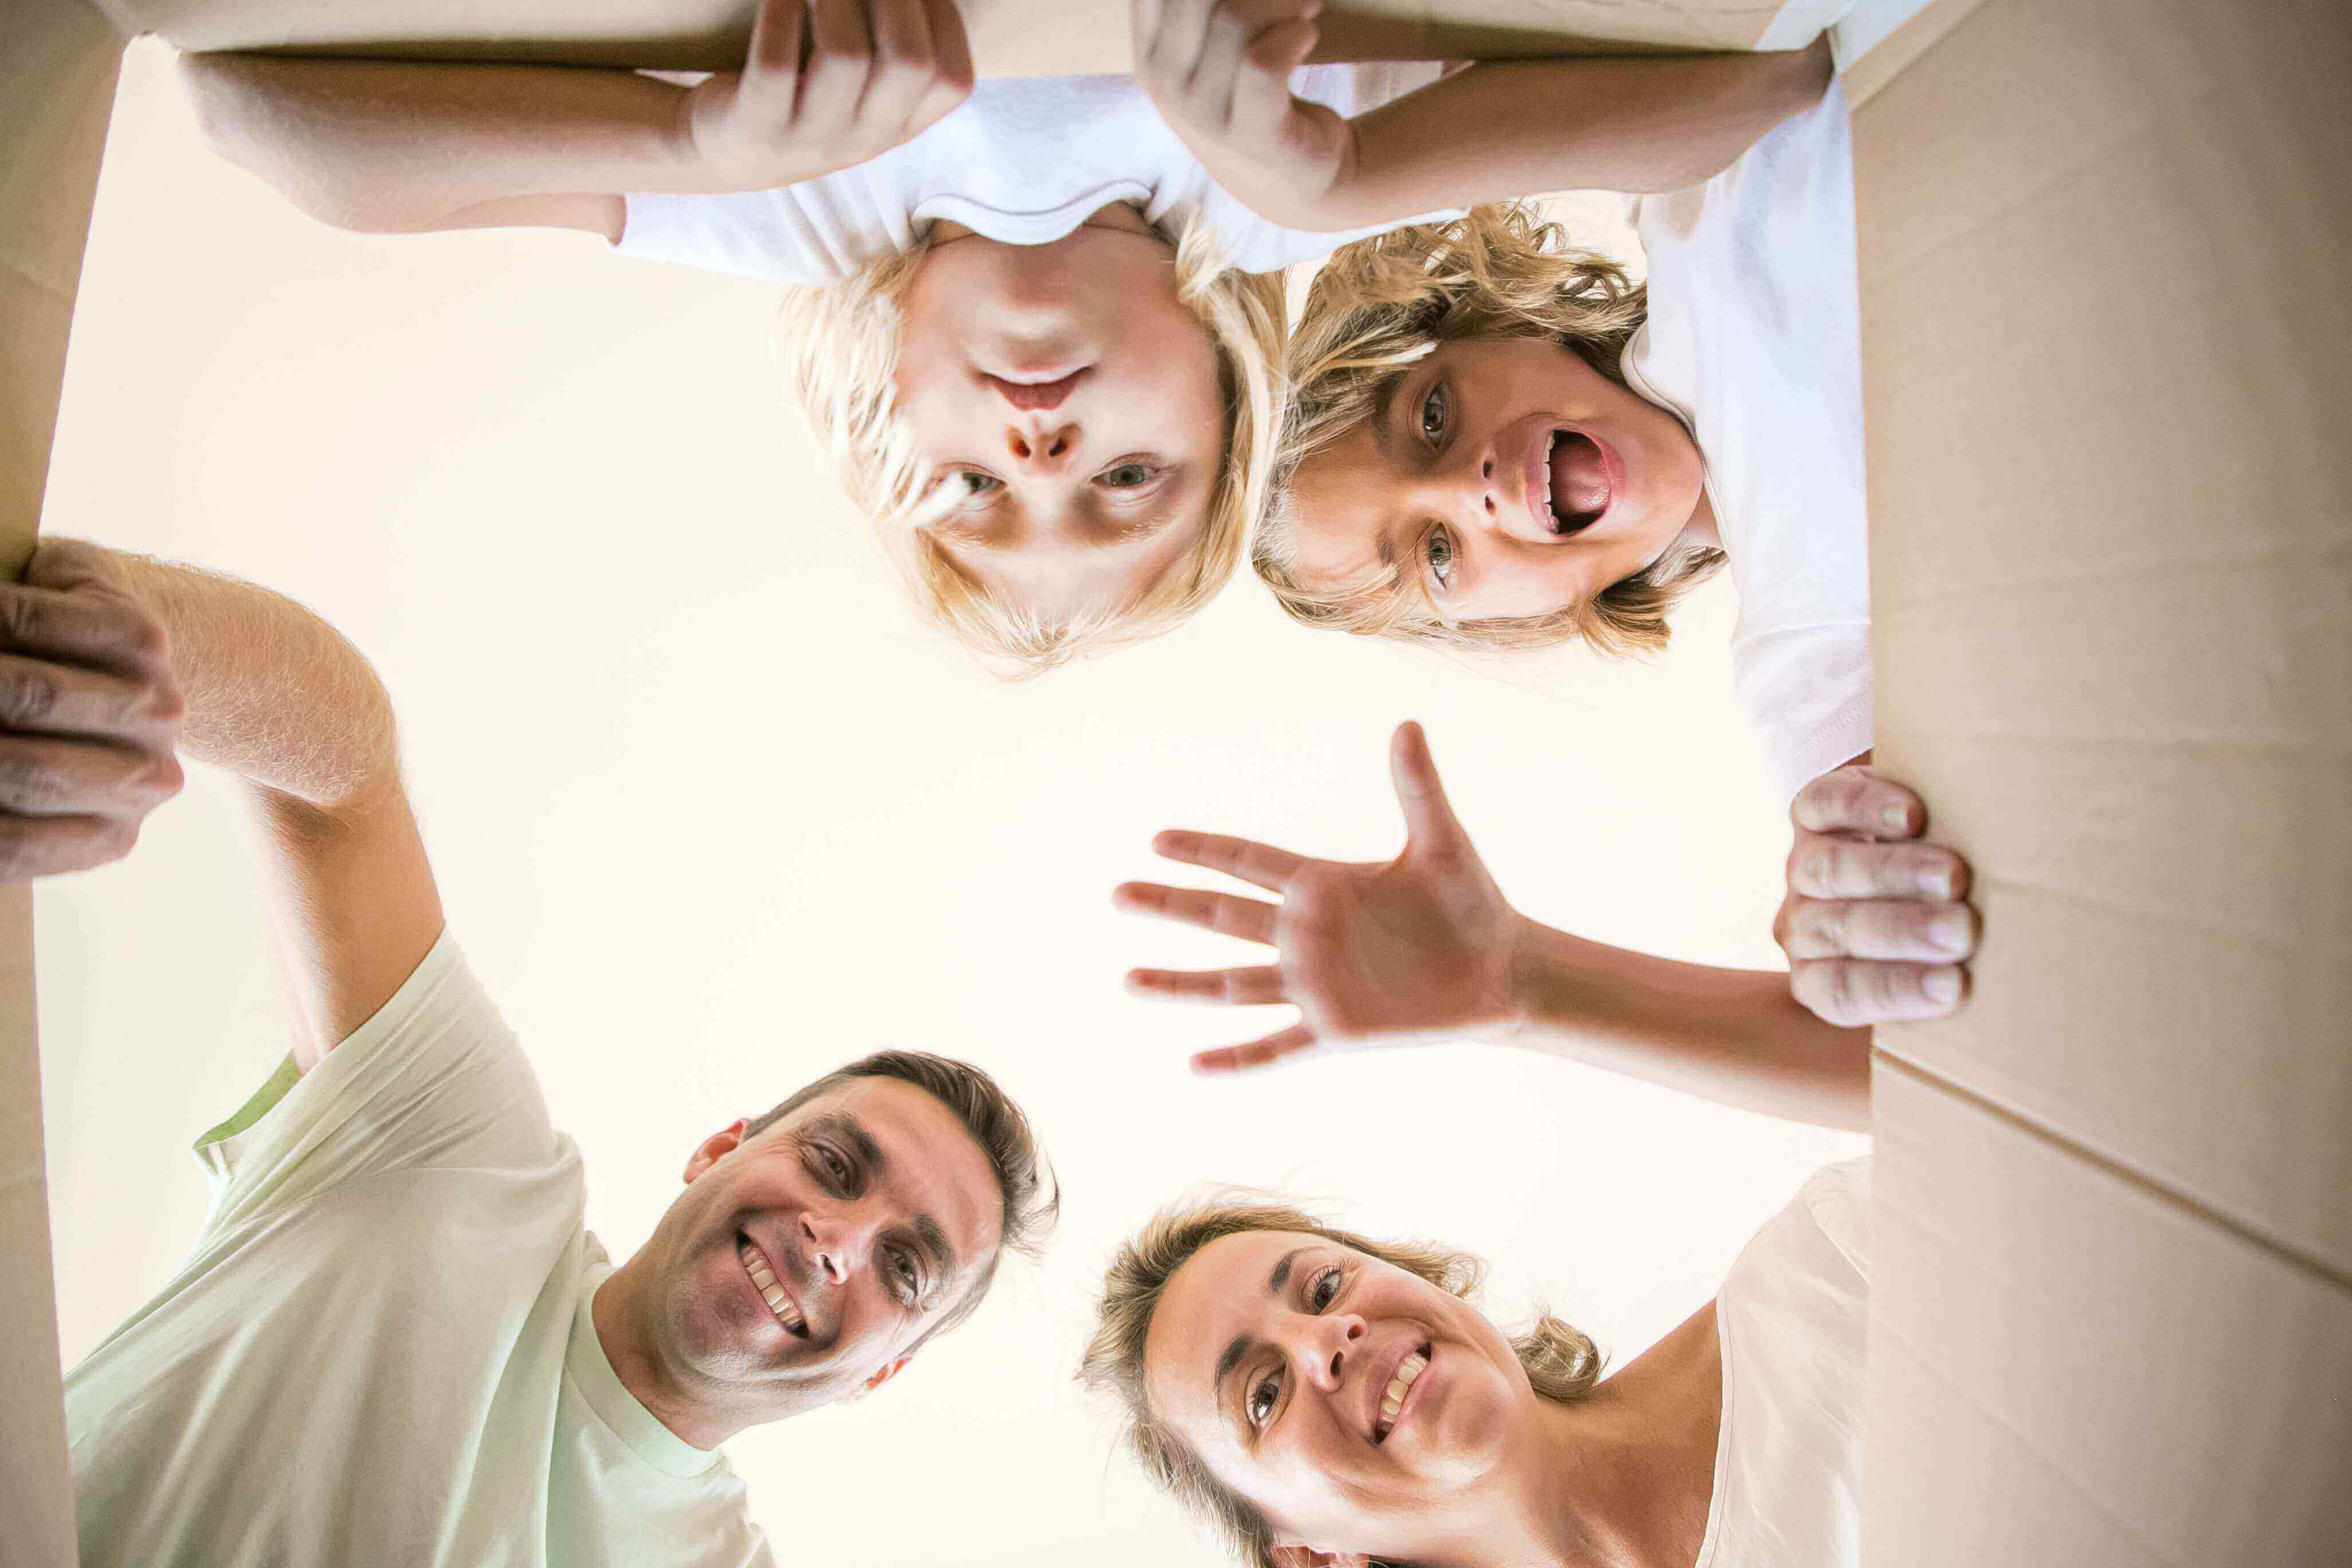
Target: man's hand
{"x": 89, "y": 715}
{"x": 1872, "y": 925}
{"x": 1219, "y": 71}
{"x": 827, "y": 84}
{"x": 1417, "y": 948}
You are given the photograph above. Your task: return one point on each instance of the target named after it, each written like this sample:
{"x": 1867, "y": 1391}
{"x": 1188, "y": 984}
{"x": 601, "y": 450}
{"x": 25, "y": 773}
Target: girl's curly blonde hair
{"x": 838, "y": 346}
{"x": 1561, "y": 1361}
{"x": 1382, "y": 304}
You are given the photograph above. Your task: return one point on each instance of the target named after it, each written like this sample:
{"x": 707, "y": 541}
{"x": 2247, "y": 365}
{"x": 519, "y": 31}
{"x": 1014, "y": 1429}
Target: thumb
{"x": 1429, "y": 819}
{"x": 66, "y": 564}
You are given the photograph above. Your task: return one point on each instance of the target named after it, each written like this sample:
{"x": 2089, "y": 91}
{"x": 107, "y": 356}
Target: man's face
{"x": 804, "y": 1264}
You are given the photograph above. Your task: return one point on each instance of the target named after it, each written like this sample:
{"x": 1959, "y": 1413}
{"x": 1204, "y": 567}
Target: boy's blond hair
{"x": 1380, "y": 305}
{"x": 838, "y": 345}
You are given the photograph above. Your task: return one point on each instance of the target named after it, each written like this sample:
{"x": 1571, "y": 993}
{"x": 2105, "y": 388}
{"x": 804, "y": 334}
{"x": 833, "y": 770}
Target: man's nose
{"x": 1328, "y": 1344}
{"x": 834, "y": 1244}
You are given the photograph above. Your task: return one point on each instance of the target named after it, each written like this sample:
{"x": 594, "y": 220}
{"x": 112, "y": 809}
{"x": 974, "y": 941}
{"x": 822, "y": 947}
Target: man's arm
{"x": 281, "y": 699}
{"x": 391, "y": 147}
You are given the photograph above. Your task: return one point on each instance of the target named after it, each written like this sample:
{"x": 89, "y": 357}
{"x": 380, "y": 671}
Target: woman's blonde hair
{"x": 1382, "y": 304}
{"x": 839, "y": 349}
{"x": 1561, "y": 1362}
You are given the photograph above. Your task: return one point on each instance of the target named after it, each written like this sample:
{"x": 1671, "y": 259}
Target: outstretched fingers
{"x": 1296, "y": 1040}
{"x": 1429, "y": 818}
{"x": 1258, "y": 985}
{"x": 1252, "y": 920}
{"x": 1261, "y": 864}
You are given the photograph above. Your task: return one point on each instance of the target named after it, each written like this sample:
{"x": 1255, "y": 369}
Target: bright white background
{"x": 712, "y": 814}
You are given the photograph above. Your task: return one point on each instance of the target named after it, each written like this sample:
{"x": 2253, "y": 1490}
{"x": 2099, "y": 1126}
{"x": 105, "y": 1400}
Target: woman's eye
{"x": 1432, "y": 413}
{"x": 1440, "y": 551}
{"x": 1127, "y": 476}
{"x": 1319, "y": 1295}
{"x": 1261, "y": 1398}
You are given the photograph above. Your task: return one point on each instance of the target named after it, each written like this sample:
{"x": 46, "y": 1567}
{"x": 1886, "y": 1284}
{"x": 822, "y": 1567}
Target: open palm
{"x": 1412, "y": 949}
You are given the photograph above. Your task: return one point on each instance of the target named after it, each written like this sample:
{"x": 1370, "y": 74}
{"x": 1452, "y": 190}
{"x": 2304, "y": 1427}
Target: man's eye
{"x": 904, "y": 1267}
{"x": 1261, "y": 1398}
{"x": 834, "y": 1164}
{"x": 1432, "y": 413}
{"x": 1326, "y": 1287}
{"x": 1440, "y": 552}
{"x": 1127, "y": 476}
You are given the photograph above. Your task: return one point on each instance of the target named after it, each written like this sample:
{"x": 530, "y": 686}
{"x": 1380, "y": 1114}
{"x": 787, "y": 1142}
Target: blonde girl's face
{"x": 1504, "y": 476}
{"x": 1071, "y": 400}
{"x": 1277, "y": 1357}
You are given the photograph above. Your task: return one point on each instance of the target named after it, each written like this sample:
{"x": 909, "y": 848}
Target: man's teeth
{"x": 770, "y": 1291}
{"x": 1400, "y": 1385}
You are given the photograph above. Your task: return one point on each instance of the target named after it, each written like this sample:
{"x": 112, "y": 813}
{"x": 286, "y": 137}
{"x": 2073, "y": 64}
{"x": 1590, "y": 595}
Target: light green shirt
{"x": 380, "y": 1350}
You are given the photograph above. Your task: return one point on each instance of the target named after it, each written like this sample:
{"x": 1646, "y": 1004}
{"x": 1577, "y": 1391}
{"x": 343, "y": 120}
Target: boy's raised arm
{"x": 397, "y": 147}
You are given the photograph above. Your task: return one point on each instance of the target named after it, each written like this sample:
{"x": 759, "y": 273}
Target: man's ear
{"x": 1308, "y": 1557}
{"x": 886, "y": 1374}
{"x": 713, "y": 1149}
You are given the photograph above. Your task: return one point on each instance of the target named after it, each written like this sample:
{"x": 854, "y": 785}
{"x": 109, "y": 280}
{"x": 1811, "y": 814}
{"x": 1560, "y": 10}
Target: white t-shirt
{"x": 1792, "y": 1319}
{"x": 380, "y": 1350}
{"x": 1754, "y": 338}
{"x": 1024, "y": 160}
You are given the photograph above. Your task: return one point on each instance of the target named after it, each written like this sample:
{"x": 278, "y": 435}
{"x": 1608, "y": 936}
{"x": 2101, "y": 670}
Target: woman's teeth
{"x": 1412, "y": 1367}
{"x": 770, "y": 1291}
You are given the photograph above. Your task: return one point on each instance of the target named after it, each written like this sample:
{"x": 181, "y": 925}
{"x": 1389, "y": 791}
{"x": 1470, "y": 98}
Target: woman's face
{"x": 1505, "y": 474}
{"x": 1075, "y": 399}
{"x": 1350, "y": 1401}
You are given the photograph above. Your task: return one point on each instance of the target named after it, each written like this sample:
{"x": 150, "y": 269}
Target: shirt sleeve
{"x": 1806, "y": 693}
{"x": 435, "y": 1078}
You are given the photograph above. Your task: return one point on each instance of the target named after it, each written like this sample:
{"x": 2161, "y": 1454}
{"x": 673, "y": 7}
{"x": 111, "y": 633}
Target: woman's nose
{"x": 1336, "y": 1336}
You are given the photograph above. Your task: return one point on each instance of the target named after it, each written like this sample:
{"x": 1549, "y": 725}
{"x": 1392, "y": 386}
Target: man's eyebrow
{"x": 933, "y": 1240}
{"x": 852, "y": 1132}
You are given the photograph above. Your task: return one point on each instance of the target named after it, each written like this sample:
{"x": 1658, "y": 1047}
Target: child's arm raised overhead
{"x": 393, "y": 147}
{"x": 1218, "y": 70}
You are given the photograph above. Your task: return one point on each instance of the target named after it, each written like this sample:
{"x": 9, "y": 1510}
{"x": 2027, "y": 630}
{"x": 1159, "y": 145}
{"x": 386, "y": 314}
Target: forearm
{"x": 1504, "y": 129}
{"x": 384, "y": 146}
{"x": 1734, "y": 1036}
{"x": 274, "y": 694}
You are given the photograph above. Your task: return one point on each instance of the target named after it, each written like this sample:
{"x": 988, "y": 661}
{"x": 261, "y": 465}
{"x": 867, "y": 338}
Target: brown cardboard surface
{"x": 57, "y": 61}
{"x": 2105, "y": 331}
{"x": 1010, "y": 37}
{"x": 2069, "y": 1368}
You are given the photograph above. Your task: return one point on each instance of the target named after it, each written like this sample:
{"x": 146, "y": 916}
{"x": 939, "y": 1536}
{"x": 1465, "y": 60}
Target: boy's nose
{"x": 1044, "y": 445}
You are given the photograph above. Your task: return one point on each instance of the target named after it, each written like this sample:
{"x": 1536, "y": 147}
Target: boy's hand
{"x": 1415, "y": 948}
{"x": 1872, "y": 925}
{"x": 827, "y": 84}
{"x": 89, "y": 714}
{"x": 1219, "y": 71}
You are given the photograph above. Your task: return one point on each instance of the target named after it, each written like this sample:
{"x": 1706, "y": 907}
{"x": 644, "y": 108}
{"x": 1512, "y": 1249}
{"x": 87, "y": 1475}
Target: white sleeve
{"x": 433, "y": 1078}
{"x": 749, "y": 234}
{"x": 1806, "y": 691}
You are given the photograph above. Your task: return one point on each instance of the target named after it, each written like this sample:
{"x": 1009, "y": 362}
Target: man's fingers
{"x": 101, "y": 630}
{"x": 1858, "y": 800}
{"x": 1880, "y": 928}
{"x": 1261, "y": 864}
{"x": 1258, "y": 986}
{"x": 34, "y": 846}
{"x": 1821, "y": 867}
{"x": 1273, "y": 1047}
{"x": 1854, "y": 992}
{"x": 41, "y": 776}
{"x": 1249, "y": 919}
{"x": 39, "y": 696}
{"x": 1429, "y": 820}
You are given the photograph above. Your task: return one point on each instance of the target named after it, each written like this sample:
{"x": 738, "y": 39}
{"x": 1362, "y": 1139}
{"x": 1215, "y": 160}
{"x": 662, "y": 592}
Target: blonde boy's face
{"x": 1073, "y": 398}
{"x": 1505, "y": 475}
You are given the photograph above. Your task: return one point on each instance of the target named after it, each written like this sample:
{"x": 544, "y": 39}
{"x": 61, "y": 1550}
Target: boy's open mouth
{"x": 1580, "y": 490}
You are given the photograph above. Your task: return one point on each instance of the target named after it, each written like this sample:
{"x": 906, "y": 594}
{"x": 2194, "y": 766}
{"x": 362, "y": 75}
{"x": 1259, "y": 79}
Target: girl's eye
{"x": 1261, "y": 1399}
{"x": 1127, "y": 476}
{"x": 976, "y": 483}
{"x": 1326, "y": 1287}
{"x": 1432, "y": 413}
{"x": 1440, "y": 551}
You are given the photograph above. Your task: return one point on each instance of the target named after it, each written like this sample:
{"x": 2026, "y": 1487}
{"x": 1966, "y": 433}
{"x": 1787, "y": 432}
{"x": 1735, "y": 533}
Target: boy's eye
{"x": 976, "y": 483}
{"x": 1127, "y": 476}
{"x": 1262, "y": 1394}
{"x": 1432, "y": 413}
{"x": 1440, "y": 552}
